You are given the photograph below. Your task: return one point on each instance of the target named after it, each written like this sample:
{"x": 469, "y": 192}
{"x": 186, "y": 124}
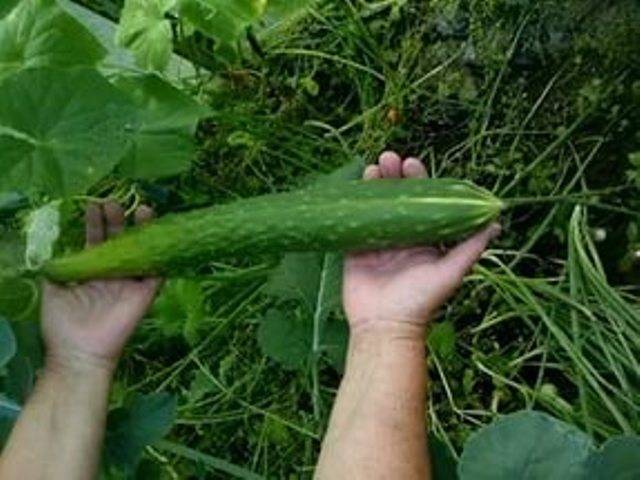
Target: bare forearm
{"x": 377, "y": 429}
{"x": 60, "y": 432}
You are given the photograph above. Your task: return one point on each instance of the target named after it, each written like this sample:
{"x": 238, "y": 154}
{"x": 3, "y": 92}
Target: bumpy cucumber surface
{"x": 351, "y": 215}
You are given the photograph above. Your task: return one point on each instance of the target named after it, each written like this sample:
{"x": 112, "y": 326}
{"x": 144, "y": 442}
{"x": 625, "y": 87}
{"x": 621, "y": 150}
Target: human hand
{"x": 86, "y": 326}
{"x": 405, "y": 287}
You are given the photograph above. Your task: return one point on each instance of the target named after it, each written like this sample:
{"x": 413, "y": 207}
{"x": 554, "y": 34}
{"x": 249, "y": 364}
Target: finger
{"x": 390, "y": 165}
{"x": 94, "y": 225}
{"x": 372, "y": 172}
{"x": 461, "y": 258}
{"x": 114, "y": 216}
{"x": 143, "y": 214}
{"x": 413, "y": 168}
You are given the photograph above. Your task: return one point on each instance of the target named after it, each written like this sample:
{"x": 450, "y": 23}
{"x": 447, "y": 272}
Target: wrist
{"x": 387, "y": 331}
{"x": 79, "y": 365}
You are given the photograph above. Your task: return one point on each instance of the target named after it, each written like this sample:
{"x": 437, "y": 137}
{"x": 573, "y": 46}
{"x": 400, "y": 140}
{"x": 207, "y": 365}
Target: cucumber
{"x": 348, "y": 216}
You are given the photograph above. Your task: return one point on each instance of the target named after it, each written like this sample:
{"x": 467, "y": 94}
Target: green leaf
{"x": 334, "y": 342}
{"x": 145, "y": 30}
{"x": 164, "y": 141}
{"x": 42, "y": 229}
{"x": 38, "y": 33}
{"x": 297, "y": 277}
{"x": 619, "y": 459}
{"x": 61, "y": 130}
{"x": 223, "y": 20}
{"x": 146, "y": 420}
{"x": 18, "y": 297}
{"x": 286, "y": 339}
{"x": 6, "y": 6}
{"x": 444, "y": 464}
{"x": 9, "y": 410}
{"x": 7, "y": 342}
{"x": 442, "y": 340}
{"x": 180, "y": 309}
{"x": 528, "y": 446}
{"x": 11, "y": 253}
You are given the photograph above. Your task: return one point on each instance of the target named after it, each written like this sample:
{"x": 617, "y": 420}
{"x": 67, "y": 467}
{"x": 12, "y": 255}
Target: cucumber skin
{"x": 353, "y": 215}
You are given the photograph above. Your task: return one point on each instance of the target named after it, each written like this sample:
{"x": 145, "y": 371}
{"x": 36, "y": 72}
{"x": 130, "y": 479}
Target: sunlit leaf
{"x": 42, "y": 230}
{"x": 61, "y": 130}
{"x": 164, "y": 140}
{"x": 145, "y": 30}
{"x": 223, "y": 20}
{"x": 180, "y": 309}
{"x": 38, "y": 33}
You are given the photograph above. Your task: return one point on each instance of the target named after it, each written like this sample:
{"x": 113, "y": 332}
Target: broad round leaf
{"x": 61, "y": 130}
{"x": 619, "y": 459}
{"x": 38, "y": 33}
{"x": 163, "y": 143}
{"x": 525, "y": 446}
{"x": 7, "y": 342}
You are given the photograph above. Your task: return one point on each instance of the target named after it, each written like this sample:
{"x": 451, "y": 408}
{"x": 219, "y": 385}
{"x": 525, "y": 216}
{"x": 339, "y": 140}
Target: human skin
{"x": 377, "y": 429}
{"x": 378, "y": 425}
{"x": 60, "y": 432}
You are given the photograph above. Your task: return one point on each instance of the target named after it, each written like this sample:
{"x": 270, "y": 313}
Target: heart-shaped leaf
{"x": 61, "y": 130}
{"x": 619, "y": 459}
{"x": 38, "y": 33}
{"x": 528, "y": 446}
{"x": 163, "y": 143}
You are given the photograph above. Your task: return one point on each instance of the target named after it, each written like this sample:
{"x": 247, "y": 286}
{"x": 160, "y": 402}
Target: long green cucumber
{"x": 348, "y": 216}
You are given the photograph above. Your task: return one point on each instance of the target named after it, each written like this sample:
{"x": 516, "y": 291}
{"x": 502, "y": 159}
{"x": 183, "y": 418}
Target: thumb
{"x": 461, "y": 258}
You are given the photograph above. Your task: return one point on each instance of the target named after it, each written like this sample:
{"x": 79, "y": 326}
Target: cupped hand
{"x": 405, "y": 287}
{"x": 87, "y": 325}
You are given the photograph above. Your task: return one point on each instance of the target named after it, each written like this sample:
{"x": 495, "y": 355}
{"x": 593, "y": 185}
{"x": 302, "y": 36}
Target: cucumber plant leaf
{"x": 163, "y": 143}
{"x": 315, "y": 281}
{"x": 286, "y": 338}
{"x": 9, "y": 410}
{"x": 61, "y": 130}
{"x": 38, "y": 33}
{"x": 618, "y": 459}
{"x": 223, "y": 20}
{"x": 131, "y": 428}
{"x": 526, "y": 445}
{"x": 6, "y": 6}
{"x": 442, "y": 340}
{"x": 146, "y": 31}
{"x": 11, "y": 253}
{"x": 180, "y": 310}
{"x": 7, "y": 342}
{"x": 532, "y": 445}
